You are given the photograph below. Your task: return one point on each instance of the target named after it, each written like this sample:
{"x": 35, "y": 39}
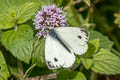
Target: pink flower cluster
{"x": 49, "y": 17}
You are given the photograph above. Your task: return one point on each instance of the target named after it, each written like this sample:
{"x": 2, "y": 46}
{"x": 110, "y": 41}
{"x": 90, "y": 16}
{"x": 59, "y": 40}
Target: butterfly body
{"x": 62, "y": 44}
{"x": 54, "y": 35}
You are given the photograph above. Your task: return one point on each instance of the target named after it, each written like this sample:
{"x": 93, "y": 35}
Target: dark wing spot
{"x": 79, "y": 37}
{"x": 86, "y": 32}
{"x": 55, "y": 59}
{"x": 50, "y": 65}
{"x": 86, "y": 38}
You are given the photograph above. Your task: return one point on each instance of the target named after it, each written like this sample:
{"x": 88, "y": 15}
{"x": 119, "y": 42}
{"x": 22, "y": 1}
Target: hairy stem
{"x": 44, "y": 77}
{"x": 28, "y": 70}
{"x": 20, "y": 69}
{"x": 107, "y": 77}
{"x": 93, "y": 76}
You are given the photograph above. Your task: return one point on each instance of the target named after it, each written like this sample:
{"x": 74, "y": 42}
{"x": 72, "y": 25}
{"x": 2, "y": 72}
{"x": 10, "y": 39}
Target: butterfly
{"x": 62, "y": 44}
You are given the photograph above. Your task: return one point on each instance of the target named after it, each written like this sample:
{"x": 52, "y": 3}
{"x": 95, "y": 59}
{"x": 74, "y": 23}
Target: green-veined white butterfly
{"x": 61, "y": 45}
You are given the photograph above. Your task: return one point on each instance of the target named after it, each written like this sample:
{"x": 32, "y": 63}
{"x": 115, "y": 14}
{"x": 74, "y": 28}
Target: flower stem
{"x": 44, "y": 77}
{"x": 20, "y": 69}
{"x": 93, "y": 76}
{"x": 107, "y": 78}
{"x": 28, "y": 70}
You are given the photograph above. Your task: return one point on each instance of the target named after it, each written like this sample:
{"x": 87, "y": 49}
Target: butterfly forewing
{"x": 75, "y": 38}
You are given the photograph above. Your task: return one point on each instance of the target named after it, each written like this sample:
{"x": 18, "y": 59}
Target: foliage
{"x": 106, "y": 62}
{"x": 71, "y": 75}
{"x": 38, "y": 53}
{"x": 19, "y": 43}
{"x": 4, "y": 73}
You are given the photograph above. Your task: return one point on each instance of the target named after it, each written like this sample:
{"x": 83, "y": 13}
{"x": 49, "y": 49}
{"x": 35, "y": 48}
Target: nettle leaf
{"x": 87, "y": 2}
{"x": 16, "y": 11}
{"x": 0, "y": 35}
{"x": 96, "y": 44}
{"x": 19, "y": 42}
{"x": 39, "y": 52}
{"x": 25, "y": 11}
{"x": 104, "y": 41}
{"x": 93, "y": 46}
{"x": 71, "y": 75}
{"x": 4, "y": 73}
{"x": 106, "y": 62}
{"x": 7, "y": 13}
{"x": 87, "y": 63}
{"x": 11, "y": 63}
{"x": 6, "y": 22}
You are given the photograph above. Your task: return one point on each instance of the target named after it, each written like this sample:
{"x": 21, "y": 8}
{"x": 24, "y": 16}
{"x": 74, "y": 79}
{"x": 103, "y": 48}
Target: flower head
{"x": 49, "y": 17}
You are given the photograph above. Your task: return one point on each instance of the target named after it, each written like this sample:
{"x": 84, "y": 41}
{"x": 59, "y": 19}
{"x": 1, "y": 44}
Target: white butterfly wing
{"x": 75, "y": 38}
{"x": 56, "y": 55}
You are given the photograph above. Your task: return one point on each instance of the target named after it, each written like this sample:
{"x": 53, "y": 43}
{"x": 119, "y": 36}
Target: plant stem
{"x": 93, "y": 76}
{"x": 107, "y": 77}
{"x": 44, "y": 77}
{"x": 15, "y": 27}
{"x": 28, "y": 70}
{"x": 81, "y": 68}
{"x": 20, "y": 69}
{"x": 75, "y": 66}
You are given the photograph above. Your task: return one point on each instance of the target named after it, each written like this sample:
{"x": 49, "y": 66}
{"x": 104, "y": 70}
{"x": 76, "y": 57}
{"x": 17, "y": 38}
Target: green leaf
{"x": 74, "y": 19}
{"x": 25, "y": 11}
{"x": 4, "y": 73}
{"x": 0, "y": 35}
{"x": 6, "y": 22}
{"x": 71, "y": 75}
{"x": 87, "y": 63}
{"x": 93, "y": 46}
{"x": 8, "y": 13}
{"x": 117, "y": 20}
{"x": 87, "y": 2}
{"x": 13, "y": 11}
{"x": 38, "y": 56}
{"x": 106, "y": 62}
{"x": 46, "y": 2}
{"x": 104, "y": 41}
{"x": 19, "y": 42}
{"x": 58, "y": 2}
{"x": 11, "y": 63}
{"x": 71, "y": 20}
{"x": 6, "y": 5}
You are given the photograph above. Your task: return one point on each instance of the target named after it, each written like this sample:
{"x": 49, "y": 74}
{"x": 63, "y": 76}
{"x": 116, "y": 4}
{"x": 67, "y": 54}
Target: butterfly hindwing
{"x": 75, "y": 38}
{"x": 56, "y": 54}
